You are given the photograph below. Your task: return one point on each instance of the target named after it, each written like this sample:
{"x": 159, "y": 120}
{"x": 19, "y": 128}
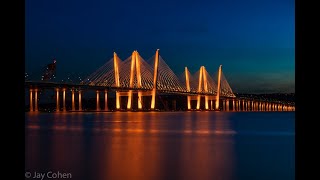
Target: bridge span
{"x": 138, "y": 85}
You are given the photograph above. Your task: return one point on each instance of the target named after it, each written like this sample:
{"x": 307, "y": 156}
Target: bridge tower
{"x": 117, "y": 79}
{"x": 218, "y": 89}
{"x": 135, "y": 66}
{"x": 155, "y": 79}
{"x": 203, "y": 76}
{"x": 188, "y": 87}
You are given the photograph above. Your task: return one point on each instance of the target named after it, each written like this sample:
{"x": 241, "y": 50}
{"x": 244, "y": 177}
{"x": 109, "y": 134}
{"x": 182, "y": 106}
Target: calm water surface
{"x": 162, "y": 145}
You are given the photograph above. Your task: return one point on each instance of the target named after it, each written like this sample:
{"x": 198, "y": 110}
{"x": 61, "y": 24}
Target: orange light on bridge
{"x": 205, "y": 84}
{"x": 57, "y": 100}
{"x": 131, "y": 79}
{"x": 138, "y": 72}
{"x": 97, "y": 103}
{"x": 73, "y": 107}
{"x": 218, "y": 89}
{"x": 155, "y": 77}
{"x": 116, "y": 76}
{"x": 199, "y": 88}
{"x": 64, "y": 99}
{"x": 80, "y": 104}
{"x": 188, "y": 87}
{"x": 31, "y": 102}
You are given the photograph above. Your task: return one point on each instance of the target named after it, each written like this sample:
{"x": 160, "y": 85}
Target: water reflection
{"x": 211, "y": 157}
{"x": 186, "y": 145}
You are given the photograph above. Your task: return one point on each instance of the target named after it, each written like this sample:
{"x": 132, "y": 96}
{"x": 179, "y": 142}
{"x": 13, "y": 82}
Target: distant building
{"x": 49, "y": 71}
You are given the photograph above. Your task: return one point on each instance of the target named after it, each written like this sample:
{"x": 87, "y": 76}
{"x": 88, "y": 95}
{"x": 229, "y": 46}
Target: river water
{"x": 161, "y": 145}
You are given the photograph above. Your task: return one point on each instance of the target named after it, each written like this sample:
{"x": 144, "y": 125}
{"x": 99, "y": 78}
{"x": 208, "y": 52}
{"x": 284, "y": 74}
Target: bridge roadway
{"x": 53, "y": 85}
{"x": 228, "y": 103}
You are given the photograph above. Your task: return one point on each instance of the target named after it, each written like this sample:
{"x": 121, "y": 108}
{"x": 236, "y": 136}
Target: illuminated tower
{"x": 218, "y": 89}
{"x": 135, "y": 66}
{"x": 155, "y": 78}
{"x": 188, "y": 87}
{"x": 116, "y": 78}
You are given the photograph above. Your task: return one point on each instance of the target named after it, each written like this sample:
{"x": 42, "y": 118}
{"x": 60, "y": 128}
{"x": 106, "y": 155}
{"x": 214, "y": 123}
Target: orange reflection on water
{"x": 142, "y": 146}
{"x": 212, "y": 157}
{"x": 132, "y": 156}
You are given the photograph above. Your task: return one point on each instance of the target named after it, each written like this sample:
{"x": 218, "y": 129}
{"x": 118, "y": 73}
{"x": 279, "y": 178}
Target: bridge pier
{"x": 227, "y": 104}
{"x": 64, "y": 99}
{"x": 269, "y": 106}
{"x": 31, "y": 100}
{"x": 97, "y": 102}
{"x": 73, "y": 106}
{"x": 238, "y": 105}
{"x": 233, "y": 104}
{"x": 106, "y": 100}
{"x": 265, "y": 106}
{"x": 139, "y": 100}
{"x": 117, "y": 100}
{"x": 36, "y": 100}
{"x": 80, "y": 104}
{"x": 252, "y": 105}
{"x": 189, "y": 102}
{"x": 33, "y": 104}
{"x": 256, "y": 105}
{"x": 198, "y": 102}
{"x": 129, "y": 100}
{"x": 243, "y": 108}
{"x": 57, "y": 100}
{"x": 247, "y": 105}
{"x": 206, "y": 99}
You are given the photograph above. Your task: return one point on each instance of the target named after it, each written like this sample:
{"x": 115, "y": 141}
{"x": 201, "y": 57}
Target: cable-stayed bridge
{"x": 138, "y": 84}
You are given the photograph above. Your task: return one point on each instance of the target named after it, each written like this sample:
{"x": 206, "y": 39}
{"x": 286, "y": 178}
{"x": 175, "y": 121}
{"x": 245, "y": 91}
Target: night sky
{"x": 254, "y": 40}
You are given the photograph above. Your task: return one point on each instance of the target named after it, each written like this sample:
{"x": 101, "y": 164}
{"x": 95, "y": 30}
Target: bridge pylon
{"x": 218, "y": 88}
{"x": 155, "y": 79}
{"x": 116, "y": 79}
{"x": 188, "y": 87}
{"x": 135, "y": 67}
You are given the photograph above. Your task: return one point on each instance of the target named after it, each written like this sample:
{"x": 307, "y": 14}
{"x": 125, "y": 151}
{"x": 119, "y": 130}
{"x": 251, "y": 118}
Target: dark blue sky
{"x": 252, "y": 39}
